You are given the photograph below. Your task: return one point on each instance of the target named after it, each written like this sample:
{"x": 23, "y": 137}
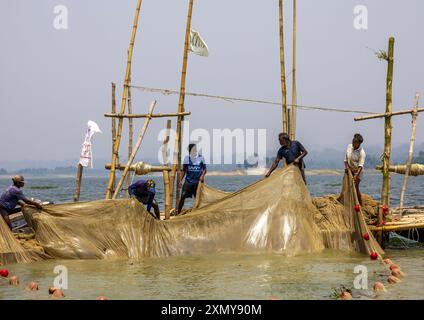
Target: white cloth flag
{"x": 197, "y": 44}
{"x": 86, "y": 157}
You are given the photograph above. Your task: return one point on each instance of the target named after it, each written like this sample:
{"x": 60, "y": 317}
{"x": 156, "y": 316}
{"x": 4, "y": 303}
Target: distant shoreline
{"x": 234, "y": 173}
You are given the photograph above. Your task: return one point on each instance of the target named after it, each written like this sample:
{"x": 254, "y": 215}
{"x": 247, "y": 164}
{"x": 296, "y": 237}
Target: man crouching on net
{"x": 292, "y": 152}
{"x": 145, "y": 191}
{"x": 11, "y": 197}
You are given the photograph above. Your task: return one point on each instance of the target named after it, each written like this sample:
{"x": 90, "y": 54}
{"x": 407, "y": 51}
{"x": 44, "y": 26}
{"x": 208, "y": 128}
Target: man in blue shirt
{"x": 194, "y": 170}
{"x": 145, "y": 191}
{"x": 292, "y": 152}
{"x": 10, "y": 198}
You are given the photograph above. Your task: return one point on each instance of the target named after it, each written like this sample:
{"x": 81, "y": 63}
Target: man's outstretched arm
{"x": 273, "y": 167}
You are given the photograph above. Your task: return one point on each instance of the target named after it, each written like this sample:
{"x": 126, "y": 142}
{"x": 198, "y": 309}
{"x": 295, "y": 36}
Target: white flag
{"x": 197, "y": 44}
{"x": 86, "y": 157}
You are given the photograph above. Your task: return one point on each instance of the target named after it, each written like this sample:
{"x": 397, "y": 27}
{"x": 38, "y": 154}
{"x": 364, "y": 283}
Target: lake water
{"x": 221, "y": 276}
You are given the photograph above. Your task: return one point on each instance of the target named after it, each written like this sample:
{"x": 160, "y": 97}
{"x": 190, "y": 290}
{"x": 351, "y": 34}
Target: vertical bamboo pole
{"x": 168, "y": 202}
{"x": 136, "y": 148}
{"x": 283, "y": 70}
{"x": 130, "y": 134}
{"x": 385, "y": 190}
{"x": 78, "y": 183}
{"x": 123, "y": 103}
{"x": 294, "y": 93}
{"x": 177, "y": 146}
{"x": 411, "y": 152}
{"x": 113, "y": 125}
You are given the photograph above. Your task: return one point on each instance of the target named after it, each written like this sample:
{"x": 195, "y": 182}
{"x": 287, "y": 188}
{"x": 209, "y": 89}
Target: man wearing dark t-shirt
{"x": 292, "y": 152}
{"x": 10, "y": 198}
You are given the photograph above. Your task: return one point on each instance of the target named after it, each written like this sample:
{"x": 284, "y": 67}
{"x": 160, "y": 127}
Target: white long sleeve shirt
{"x": 355, "y": 158}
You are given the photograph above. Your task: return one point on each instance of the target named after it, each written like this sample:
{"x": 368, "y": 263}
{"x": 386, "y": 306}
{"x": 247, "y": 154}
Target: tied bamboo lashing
{"x": 416, "y": 169}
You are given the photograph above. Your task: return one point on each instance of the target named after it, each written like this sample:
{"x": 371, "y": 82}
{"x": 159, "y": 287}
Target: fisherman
{"x": 355, "y": 160}
{"x": 145, "y": 191}
{"x": 10, "y": 198}
{"x": 194, "y": 170}
{"x": 292, "y": 152}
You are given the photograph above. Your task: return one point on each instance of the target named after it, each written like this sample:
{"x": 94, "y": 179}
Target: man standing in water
{"x": 292, "y": 152}
{"x": 194, "y": 169}
{"x": 145, "y": 191}
{"x": 355, "y": 160}
{"x": 12, "y": 196}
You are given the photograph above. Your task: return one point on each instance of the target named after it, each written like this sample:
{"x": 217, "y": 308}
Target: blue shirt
{"x": 139, "y": 189}
{"x": 291, "y": 153}
{"x": 194, "y": 168}
{"x": 9, "y": 199}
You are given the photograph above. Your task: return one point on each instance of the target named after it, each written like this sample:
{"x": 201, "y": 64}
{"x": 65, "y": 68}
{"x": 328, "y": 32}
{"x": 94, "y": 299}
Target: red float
{"x": 4, "y": 273}
{"x": 357, "y": 207}
{"x": 373, "y": 255}
{"x": 366, "y": 236}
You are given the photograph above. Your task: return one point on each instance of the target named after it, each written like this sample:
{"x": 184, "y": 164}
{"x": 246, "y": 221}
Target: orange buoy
{"x": 393, "y": 279}
{"x": 379, "y": 287}
{"x": 345, "y": 295}
{"x": 14, "y": 281}
{"x": 33, "y": 286}
{"x": 393, "y": 266}
{"x": 101, "y": 298}
{"x": 387, "y": 261}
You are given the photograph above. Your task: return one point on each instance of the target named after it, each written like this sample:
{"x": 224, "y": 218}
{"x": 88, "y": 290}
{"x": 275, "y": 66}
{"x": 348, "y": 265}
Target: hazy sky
{"x": 52, "y": 82}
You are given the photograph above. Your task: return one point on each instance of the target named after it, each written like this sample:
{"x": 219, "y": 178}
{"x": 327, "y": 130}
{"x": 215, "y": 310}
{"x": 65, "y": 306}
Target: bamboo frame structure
{"x": 390, "y": 114}
{"x": 411, "y": 152}
{"x": 123, "y": 104}
{"x": 113, "y": 126}
{"x": 168, "y": 202}
{"x": 130, "y": 131}
{"x": 78, "y": 182}
{"x": 385, "y": 190}
{"x": 283, "y": 69}
{"x": 121, "y": 167}
{"x": 134, "y": 152}
{"x": 177, "y": 146}
{"x": 135, "y": 116}
{"x": 294, "y": 89}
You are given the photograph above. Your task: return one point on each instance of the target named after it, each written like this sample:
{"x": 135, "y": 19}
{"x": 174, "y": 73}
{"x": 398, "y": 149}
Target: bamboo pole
{"x": 283, "y": 70}
{"x": 123, "y": 103}
{"x": 177, "y": 146}
{"x": 168, "y": 202}
{"x": 389, "y": 114}
{"x": 113, "y": 126}
{"x": 294, "y": 93}
{"x": 78, "y": 183}
{"x": 397, "y": 227}
{"x": 385, "y": 190}
{"x": 134, "y": 152}
{"x": 122, "y": 167}
{"x": 130, "y": 133}
{"x": 136, "y": 116}
{"x": 411, "y": 152}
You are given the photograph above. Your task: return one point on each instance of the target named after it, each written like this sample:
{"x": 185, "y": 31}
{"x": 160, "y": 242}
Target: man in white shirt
{"x": 355, "y": 160}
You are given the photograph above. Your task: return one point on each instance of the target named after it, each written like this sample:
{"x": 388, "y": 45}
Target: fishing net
{"x": 11, "y": 250}
{"x": 274, "y": 214}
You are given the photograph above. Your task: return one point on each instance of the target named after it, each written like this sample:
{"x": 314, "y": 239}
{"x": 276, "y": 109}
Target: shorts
{"x": 5, "y": 212}
{"x": 189, "y": 189}
{"x": 144, "y": 199}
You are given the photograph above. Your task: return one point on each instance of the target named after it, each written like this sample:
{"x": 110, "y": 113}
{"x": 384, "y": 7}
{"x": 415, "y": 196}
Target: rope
{"x": 233, "y": 99}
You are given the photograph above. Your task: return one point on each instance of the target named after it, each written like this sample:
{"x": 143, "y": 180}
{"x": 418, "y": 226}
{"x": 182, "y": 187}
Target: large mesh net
{"x": 274, "y": 214}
